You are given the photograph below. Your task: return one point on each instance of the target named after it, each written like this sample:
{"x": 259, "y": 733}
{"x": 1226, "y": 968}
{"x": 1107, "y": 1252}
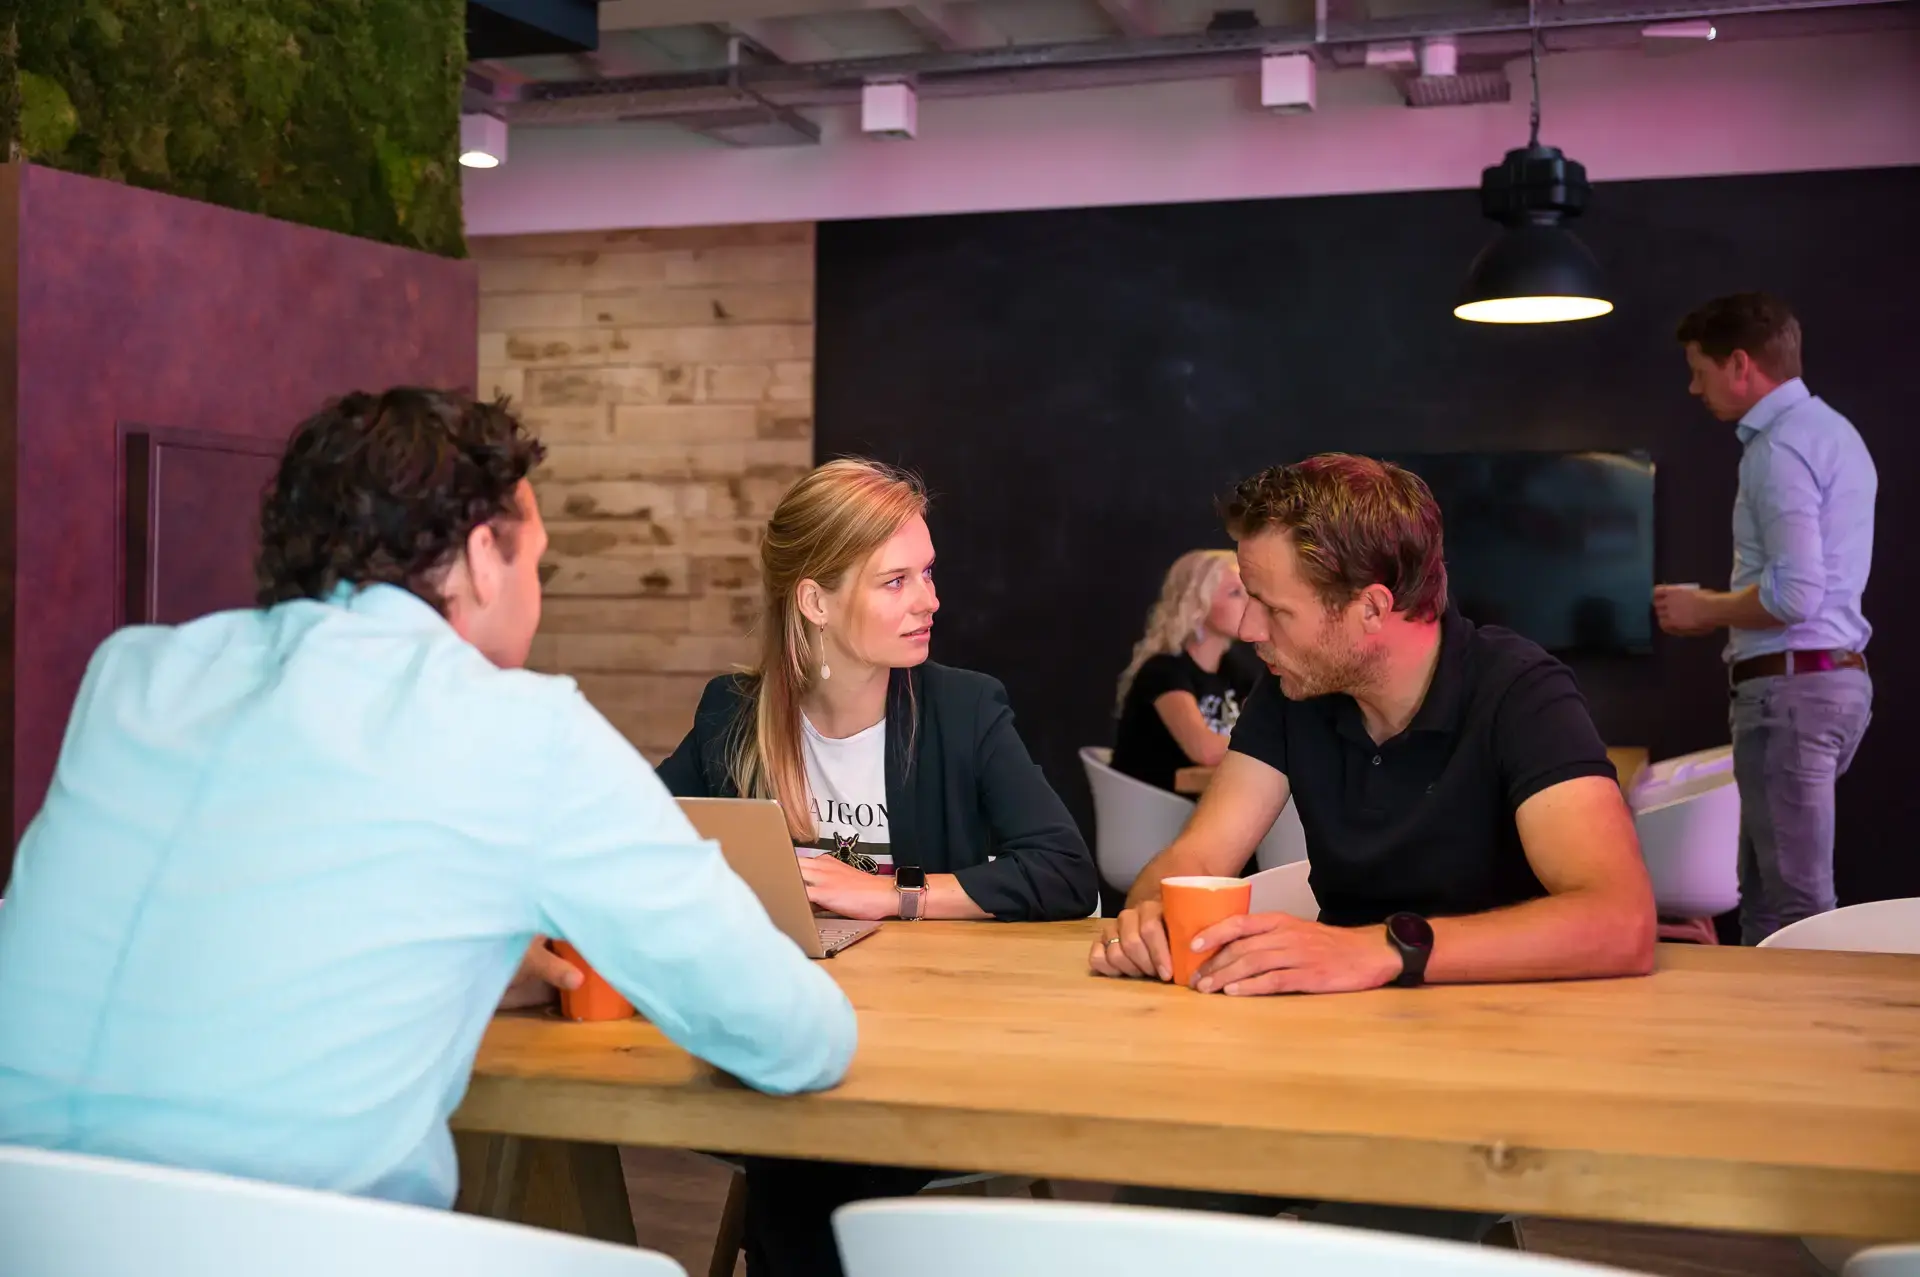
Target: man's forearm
{"x": 1742, "y": 610}
{"x": 1575, "y": 935}
{"x": 1182, "y": 857}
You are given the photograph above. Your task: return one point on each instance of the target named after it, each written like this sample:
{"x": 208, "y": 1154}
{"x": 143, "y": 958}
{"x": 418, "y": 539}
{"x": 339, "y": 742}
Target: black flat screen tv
{"x": 1555, "y": 545}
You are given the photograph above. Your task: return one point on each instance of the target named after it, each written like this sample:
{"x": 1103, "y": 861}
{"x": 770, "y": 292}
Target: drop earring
{"x": 826, "y": 671}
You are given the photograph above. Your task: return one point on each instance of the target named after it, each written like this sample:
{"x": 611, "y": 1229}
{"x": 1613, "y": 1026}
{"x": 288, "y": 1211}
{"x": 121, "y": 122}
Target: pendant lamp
{"x": 1536, "y": 272}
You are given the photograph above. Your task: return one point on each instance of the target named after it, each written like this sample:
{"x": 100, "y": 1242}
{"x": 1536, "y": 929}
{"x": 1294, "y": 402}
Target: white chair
{"x": 1284, "y": 889}
{"x": 1686, "y": 767}
{"x": 1884, "y": 926}
{"x": 63, "y": 1214}
{"x": 1286, "y": 842}
{"x": 1885, "y": 1261}
{"x": 1132, "y": 821}
{"x": 1690, "y": 840}
{"x": 913, "y": 1238}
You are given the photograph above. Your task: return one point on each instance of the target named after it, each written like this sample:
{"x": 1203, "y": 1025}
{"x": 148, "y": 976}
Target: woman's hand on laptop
{"x": 541, "y": 972}
{"x": 839, "y": 888}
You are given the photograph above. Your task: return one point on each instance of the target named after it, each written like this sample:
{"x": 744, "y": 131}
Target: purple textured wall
{"x": 142, "y": 308}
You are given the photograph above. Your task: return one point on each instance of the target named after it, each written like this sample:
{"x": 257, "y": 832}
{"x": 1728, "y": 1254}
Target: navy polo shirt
{"x": 1424, "y": 822}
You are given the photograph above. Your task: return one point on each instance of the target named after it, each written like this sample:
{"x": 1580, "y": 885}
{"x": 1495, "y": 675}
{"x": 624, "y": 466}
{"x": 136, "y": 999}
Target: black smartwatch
{"x": 1412, "y": 938}
{"x": 911, "y": 882}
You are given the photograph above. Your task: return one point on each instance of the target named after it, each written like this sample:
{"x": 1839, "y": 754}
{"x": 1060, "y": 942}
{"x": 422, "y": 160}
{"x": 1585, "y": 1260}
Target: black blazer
{"x": 968, "y": 790}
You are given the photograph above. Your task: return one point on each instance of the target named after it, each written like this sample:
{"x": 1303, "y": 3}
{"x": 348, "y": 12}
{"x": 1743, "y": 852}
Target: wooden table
{"x": 1628, "y": 760}
{"x": 1759, "y": 1090}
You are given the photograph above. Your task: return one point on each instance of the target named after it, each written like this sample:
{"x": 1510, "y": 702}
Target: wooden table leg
{"x": 555, "y": 1184}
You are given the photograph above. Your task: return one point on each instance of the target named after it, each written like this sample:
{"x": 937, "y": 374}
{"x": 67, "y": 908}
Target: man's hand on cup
{"x": 1682, "y": 610}
{"x": 1277, "y": 953}
{"x": 541, "y": 972}
{"x": 1133, "y": 945}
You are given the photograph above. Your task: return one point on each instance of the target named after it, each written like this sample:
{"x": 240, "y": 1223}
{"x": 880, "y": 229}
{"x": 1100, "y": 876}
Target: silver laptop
{"x": 752, "y": 833}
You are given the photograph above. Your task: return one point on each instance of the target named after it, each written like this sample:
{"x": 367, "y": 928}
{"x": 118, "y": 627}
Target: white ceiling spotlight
{"x": 1693, "y": 29}
{"x": 889, "y": 110}
{"x": 1440, "y": 56}
{"x": 1287, "y": 83}
{"x": 483, "y": 141}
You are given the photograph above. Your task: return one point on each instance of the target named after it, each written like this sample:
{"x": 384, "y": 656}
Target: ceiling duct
{"x": 1469, "y": 88}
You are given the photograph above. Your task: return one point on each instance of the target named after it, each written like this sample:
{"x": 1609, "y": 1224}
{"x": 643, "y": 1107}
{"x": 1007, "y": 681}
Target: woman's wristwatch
{"x": 911, "y": 883}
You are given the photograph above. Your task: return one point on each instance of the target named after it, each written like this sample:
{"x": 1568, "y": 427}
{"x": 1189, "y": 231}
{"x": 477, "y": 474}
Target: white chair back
{"x": 1012, "y": 1238}
{"x": 1884, "y": 926}
{"x": 63, "y": 1214}
{"x": 1657, "y": 777}
{"x": 1885, "y": 1261}
{"x": 1132, "y": 821}
{"x": 1286, "y": 842}
{"x": 1284, "y": 889}
{"x": 1691, "y": 843}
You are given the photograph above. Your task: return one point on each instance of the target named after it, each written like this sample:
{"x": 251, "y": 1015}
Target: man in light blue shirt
{"x": 292, "y": 857}
{"x": 1797, "y": 639}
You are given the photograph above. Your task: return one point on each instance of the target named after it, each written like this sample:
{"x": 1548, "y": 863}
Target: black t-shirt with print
{"x": 1142, "y": 746}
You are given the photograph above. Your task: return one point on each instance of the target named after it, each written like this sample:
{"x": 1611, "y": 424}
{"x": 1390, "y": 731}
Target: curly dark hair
{"x": 386, "y": 488}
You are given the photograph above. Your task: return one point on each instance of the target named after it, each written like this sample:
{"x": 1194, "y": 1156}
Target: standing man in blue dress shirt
{"x": 292, "y": 857}
{"x": 1797, "y": 640}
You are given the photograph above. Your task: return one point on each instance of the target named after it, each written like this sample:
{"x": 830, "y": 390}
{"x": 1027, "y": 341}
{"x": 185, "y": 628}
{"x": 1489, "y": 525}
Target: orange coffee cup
{"x": 595, "y": 999}
{"x": 1191, "y": 905}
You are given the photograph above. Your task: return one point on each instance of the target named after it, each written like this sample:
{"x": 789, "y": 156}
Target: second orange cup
{"x": 1191, "y": 905}
{"x": 595, "y": 999}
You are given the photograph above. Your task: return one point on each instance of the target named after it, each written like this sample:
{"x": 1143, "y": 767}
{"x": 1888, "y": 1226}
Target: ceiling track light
{"x": 483, "y": 141}
{"x": 1536, "y": 272}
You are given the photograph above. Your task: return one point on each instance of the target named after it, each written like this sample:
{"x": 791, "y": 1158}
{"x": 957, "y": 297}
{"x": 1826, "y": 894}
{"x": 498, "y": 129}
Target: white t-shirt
{"x": 847, "y": 780}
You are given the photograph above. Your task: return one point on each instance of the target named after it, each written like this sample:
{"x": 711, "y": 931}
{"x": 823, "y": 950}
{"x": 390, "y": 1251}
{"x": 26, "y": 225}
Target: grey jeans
{"x": 1793, "y": 737}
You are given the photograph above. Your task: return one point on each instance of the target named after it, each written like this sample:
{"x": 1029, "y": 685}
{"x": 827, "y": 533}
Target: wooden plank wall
{"x": 670, "y": 373}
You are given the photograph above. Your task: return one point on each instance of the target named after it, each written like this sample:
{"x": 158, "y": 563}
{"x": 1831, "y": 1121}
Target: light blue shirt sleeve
{"x": 1786, "y": 506}
{"x": 657, "y": 911}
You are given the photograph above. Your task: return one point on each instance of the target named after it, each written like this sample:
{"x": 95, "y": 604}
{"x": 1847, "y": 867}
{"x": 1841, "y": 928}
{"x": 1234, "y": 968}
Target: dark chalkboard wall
{"x": 1077, "y": 387}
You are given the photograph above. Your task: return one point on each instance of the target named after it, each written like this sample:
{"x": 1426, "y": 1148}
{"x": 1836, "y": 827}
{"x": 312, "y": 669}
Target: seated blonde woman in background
{"x": 886, "y": 765}
{"x": 1182, "y": 692}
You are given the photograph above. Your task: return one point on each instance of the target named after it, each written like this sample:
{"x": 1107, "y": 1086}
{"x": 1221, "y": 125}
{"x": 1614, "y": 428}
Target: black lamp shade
{"x": 1536, "y": 272}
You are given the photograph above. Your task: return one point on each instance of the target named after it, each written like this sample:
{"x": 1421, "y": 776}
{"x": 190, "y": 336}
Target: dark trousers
{"x": 790, "y": 1207}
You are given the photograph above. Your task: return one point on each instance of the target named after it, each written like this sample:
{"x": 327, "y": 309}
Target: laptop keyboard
{"x": 836, "y": 935}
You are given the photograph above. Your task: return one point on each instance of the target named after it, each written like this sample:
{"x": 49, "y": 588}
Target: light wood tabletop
{"x": 1628, "y": 761}
{"x": 1757, "y": 1090}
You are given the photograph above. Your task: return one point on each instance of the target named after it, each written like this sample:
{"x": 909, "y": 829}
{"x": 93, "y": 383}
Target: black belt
{"x": 1777, "y": 664}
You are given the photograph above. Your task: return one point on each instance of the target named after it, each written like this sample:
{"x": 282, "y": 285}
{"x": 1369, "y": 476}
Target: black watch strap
{"x": 1412, "y": 938}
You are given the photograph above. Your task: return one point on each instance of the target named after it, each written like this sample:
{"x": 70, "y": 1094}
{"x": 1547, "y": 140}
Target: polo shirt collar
{"x": 1772, "y": 406}
{"x": 1442, "y": 708}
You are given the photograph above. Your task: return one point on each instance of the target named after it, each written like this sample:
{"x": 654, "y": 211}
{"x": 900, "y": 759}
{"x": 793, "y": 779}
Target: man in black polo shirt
{"x": 1463, "y": 822}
